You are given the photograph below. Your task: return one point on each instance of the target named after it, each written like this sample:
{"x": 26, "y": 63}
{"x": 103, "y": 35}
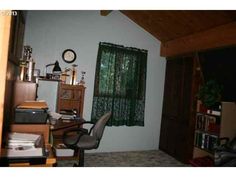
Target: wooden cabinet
{"x": 71, "y": 97}
{"x": 16, "y": 37}
{"x": 177, "y": 125}
{"x": 24, "y": 91}
{"x": 212, "y": 124}
{"x": 38, "y": 129}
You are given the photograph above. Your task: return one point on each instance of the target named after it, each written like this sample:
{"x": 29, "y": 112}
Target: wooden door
{"x": 170, "y": 105}
{"x": 176, "y": 114}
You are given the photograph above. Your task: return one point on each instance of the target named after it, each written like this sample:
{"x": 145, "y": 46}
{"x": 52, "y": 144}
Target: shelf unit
{"x": 212, "y": 124}
{"x": 71, "y": 97}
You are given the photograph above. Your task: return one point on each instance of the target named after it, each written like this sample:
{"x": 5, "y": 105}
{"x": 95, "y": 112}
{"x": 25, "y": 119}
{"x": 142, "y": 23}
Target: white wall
{"x": 50, "y": 32}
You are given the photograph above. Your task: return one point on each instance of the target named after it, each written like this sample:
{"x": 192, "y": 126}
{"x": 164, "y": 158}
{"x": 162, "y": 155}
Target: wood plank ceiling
{"x": 171, "y": 25}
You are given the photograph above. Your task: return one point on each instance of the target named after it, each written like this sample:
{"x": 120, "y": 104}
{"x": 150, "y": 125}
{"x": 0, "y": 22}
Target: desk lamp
{"x": 56, "y": 69}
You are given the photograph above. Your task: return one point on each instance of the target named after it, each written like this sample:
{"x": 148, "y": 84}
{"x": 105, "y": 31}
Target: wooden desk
{"x": 64, "y": 124}
{"x": 35, "y": 128}
{"x": 58, "y": 129}
{"x": 50, "y": 161}
{"x": 32, "y": 128}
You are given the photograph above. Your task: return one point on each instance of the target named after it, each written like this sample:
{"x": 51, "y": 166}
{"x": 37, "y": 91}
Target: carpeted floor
{"x": 154, "y": 158}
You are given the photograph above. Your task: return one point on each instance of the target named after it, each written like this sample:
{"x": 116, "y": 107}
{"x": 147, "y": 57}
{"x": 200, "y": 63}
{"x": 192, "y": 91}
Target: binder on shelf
{"x": 205, "y": 141}
{"x": 212, "y": 112}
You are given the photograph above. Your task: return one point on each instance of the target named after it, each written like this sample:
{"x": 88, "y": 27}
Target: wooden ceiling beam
{"x": 105, "y": 12}
{"x": 224, "y": 35}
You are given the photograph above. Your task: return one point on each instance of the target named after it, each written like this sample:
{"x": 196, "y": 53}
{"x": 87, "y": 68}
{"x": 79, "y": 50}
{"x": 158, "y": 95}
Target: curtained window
{"x": 120, "y": 83}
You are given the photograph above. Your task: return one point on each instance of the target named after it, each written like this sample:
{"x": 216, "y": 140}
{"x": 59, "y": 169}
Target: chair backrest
{"x": 100, "y": 125}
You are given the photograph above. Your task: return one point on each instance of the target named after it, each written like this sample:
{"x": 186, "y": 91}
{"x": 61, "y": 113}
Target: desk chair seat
{"x": 81, "y": 139}
{"x": 85, "y": 142}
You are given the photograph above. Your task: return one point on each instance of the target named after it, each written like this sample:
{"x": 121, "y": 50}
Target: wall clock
{"x": 69, "y": 56}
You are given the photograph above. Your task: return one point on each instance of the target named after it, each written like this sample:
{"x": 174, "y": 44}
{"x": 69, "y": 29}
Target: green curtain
{"x": 120, "y": 83}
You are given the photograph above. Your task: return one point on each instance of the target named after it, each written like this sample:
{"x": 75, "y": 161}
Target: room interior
{"x": 185, "y": 50}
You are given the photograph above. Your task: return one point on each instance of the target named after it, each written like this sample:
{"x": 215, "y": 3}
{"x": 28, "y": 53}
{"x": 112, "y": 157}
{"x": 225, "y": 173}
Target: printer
{"x": 31, "y": 112}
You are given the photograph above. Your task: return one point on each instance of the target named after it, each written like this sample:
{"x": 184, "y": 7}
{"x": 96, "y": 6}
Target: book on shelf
{"x": 216, "y": 110}
{"x": 200, "y": 121}
{"x": 213, "y": 112}
{"x": 205, "y": 141}
{"x": 212, "y": 142}
{"x": 68, "y": 114}
{"x": 208, "y": 123}
{"x": 65, "y": 116}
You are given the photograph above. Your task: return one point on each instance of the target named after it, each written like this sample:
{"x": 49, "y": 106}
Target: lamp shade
{"x": 57, "y": 68}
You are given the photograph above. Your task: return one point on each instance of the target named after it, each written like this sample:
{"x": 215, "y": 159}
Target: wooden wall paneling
{"x": 167, "y": 25}
{"x": 220, "y": 36}
{"x": 5, "y": 22}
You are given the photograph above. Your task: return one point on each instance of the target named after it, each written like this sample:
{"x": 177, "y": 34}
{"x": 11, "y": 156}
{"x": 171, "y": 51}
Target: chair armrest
{"x": 88, "y": 122}
{"x": 81, "y": 132}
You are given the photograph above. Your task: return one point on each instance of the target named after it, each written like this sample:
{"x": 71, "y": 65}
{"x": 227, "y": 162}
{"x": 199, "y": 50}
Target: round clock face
{"x": 69, "y": 56}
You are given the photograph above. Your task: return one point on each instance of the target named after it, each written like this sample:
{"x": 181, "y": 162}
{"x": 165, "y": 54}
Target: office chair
{"x": 81, "y": 139}
{"x": 225, "y": 154}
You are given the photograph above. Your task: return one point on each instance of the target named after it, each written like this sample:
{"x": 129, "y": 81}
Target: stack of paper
{"x": 33, "y": 105}
{"x": 23, "y": 145}
{"x": 68, "y": 114}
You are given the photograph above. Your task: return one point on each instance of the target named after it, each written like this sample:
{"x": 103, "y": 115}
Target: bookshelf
{"x": 212, "y": 124}
{"x": 71, "y": 97}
